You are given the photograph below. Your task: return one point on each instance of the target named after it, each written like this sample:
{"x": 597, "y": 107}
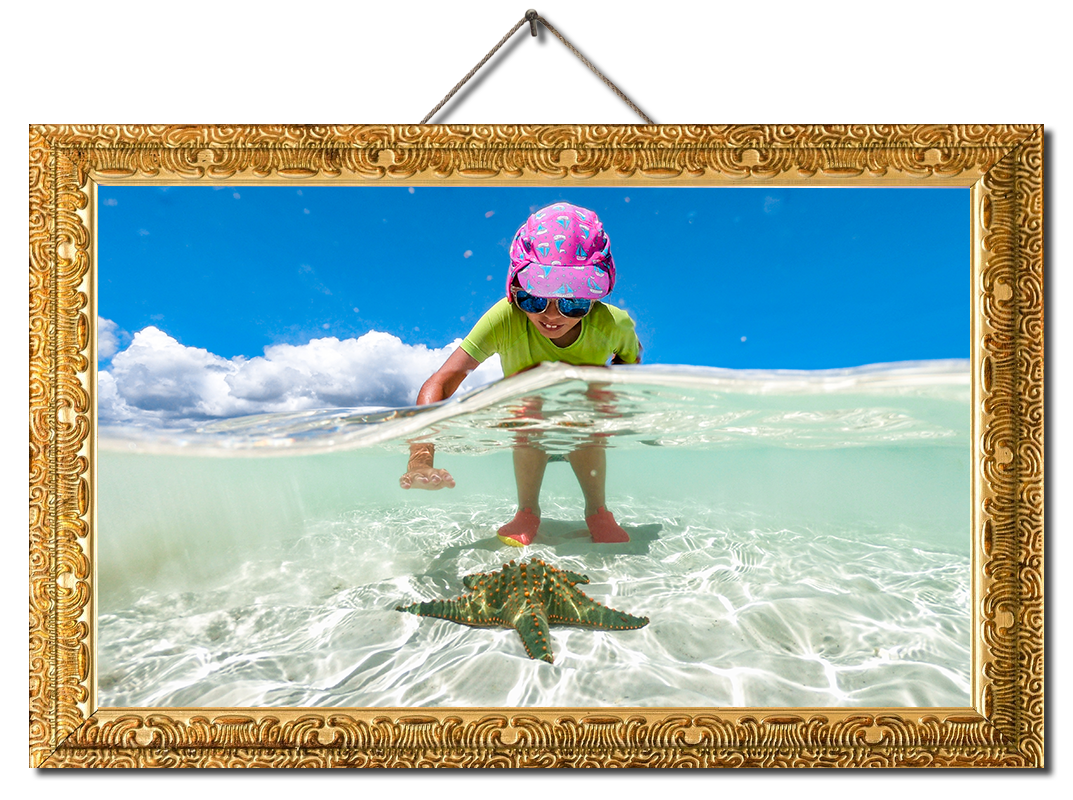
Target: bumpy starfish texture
{"x": 527, "y": 597}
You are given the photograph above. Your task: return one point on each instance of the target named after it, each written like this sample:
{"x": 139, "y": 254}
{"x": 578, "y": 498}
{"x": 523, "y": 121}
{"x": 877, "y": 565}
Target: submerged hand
{"x": 427, "y": 478}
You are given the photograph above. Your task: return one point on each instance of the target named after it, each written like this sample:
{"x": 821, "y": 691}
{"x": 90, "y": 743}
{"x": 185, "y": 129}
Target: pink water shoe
{"x": 521, "y": 530}
{"x": 604, "y": 529}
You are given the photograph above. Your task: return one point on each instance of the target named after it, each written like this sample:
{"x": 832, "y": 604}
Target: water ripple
{"x": 741, "y": 614}
{"x": 628, "y": 406}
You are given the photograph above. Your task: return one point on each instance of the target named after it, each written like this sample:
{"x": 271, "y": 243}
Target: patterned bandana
{"x": 562, "y": 251}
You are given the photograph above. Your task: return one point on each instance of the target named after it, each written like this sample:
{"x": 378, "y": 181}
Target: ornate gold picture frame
{"x": 1003, "y": 166}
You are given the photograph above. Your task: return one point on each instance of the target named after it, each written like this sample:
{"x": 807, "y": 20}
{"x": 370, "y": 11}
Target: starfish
{"x": 527, "y": 597}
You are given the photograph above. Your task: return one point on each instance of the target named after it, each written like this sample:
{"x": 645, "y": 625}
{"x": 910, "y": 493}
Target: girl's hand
{"x": 427, "y": 478}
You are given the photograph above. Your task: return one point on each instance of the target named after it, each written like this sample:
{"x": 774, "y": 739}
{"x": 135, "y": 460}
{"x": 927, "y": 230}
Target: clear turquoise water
{"x": 796, "y": 539}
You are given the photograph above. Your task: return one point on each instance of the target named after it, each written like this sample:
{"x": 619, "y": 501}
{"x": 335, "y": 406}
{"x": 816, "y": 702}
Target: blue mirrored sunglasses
{"x": 568, "y": 306}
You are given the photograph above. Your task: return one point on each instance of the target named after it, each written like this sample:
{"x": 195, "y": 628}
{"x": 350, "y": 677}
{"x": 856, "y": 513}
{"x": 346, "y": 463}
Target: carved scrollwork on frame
{"x": 1002, "y": 164}
{"x": 728, "y": 154}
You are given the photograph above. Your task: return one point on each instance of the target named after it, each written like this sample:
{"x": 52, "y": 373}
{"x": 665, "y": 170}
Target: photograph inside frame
{"x": 787, "y": 463}
{"x": 179, "y": 393}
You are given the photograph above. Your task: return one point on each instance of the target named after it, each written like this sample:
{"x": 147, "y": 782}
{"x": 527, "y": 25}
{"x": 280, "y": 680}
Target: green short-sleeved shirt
{"x": 505, "y": 329}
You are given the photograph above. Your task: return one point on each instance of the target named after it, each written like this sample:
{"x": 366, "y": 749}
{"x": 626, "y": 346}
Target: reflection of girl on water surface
{"x": 560, "y": 268}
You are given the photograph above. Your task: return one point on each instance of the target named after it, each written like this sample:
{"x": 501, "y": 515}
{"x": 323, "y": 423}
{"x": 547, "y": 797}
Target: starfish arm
{"x": 553, "y": 573}
{"x": 573, "y": 577}
{"x": 531, "y": 622}
{"x": 569, "y": 606}
{"x": 462, "y": 610}
{"x": 470, "y": 581}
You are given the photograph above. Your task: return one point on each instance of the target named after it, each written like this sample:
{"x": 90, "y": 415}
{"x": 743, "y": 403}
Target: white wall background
{"x": 810, "y": 62}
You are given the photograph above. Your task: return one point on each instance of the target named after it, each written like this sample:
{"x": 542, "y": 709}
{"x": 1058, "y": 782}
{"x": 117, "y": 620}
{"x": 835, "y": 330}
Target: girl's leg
{"x": 529, "y": 464}
{"x": 590, "y": 467}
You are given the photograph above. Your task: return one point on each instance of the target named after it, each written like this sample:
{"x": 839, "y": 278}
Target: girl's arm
{"x": 447, "y": 378}
{"x": 617, "y": 359}
{"x": 420, "y": 472}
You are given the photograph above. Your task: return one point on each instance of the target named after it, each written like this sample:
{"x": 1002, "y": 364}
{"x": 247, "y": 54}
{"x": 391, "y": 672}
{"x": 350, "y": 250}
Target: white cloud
{"x": 107, "y": 338}
{"x": 110, "y": 406}
{"x": 159, "y": 382}
{"x": 159, "y": 375}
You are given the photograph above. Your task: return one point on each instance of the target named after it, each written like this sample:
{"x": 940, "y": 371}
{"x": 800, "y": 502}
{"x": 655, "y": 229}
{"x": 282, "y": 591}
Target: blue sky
{"x": 739, "y": 277}
{"x": 813, "y": 278}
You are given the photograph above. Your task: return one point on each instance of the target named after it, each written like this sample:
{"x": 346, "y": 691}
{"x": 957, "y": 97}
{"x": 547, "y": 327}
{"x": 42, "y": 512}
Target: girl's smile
{"x": 562, "y": 331}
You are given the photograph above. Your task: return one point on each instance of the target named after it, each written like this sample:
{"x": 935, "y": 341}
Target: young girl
{"x": 560, "y": 267}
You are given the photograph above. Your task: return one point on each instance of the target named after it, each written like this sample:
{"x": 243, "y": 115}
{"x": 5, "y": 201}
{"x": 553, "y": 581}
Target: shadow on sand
{"x": 554, "y": 538}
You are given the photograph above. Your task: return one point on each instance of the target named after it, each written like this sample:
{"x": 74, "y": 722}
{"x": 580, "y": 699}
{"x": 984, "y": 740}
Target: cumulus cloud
{"x": 107, "y": 338}
{"x": 159, "y": 382}
{"x": 156, "y": 373}
{"x": 111, "y": 407}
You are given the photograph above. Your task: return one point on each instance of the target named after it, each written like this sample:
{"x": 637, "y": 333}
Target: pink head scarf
{"x": 562, "y": 251}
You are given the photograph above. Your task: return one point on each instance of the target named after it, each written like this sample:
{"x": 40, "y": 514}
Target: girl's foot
{"x": 521, "y": 530}
{"x": 604, "y": 529}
